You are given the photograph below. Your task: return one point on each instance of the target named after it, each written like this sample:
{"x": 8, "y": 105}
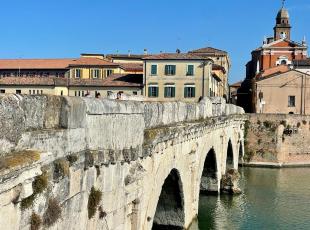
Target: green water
{"x": 271, "y": 199}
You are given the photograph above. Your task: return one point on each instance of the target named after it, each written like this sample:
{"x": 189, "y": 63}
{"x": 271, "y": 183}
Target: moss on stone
{"x": 93, "y": 201}
{"x": 72, "y": 159}
{"x": 61, "y": 169}
{"x": 52, "y": 213}
{"x": 20, "y": 158}
{"x": 27, "y": 202}
{"x": 35, "y": 221}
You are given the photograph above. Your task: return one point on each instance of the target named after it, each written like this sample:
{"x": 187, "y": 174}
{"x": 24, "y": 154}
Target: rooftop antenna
{"x": 283, "y": 3}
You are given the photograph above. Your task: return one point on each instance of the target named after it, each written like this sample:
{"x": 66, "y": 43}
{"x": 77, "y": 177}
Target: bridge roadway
{"x": 148, "y": 162}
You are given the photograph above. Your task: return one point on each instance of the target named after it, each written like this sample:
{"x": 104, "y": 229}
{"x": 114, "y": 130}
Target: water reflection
{"x": 271, "y": 199}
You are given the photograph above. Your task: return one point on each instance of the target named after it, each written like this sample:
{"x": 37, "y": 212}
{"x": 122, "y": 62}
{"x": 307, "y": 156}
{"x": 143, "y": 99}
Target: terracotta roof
{"x": 175, "y": 56}
{"x": 132, "y": 67}
{"x": 305, "y": 62}
{"x": 126, "y": 56}
{"x": 27, "y": 81}
{"x": 272, "y": 71}
{"x": 34, "y": 63}
{"x": 90, "y": 61}
{"x": 52, "y": 63}
{"x": 209, "y": 51}
{"x": 116, "y": 80}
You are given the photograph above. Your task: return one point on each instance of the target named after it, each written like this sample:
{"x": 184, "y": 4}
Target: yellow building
{"x": 177, "y": 77}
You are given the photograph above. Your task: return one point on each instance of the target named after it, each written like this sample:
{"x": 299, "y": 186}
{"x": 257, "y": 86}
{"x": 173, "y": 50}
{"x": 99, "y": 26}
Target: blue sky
{"x": 66, "y": 28}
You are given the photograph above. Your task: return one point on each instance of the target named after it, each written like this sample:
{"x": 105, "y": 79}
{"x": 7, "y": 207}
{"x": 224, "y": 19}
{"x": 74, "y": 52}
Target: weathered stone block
{"x": 73, "y": 113}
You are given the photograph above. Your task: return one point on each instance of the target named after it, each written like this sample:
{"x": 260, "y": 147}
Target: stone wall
{"x": 84, "y": 163}
{"x": 281, "y": 138}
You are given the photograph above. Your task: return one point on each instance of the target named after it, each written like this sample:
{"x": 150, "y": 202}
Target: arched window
{"x": 283, "y": 62}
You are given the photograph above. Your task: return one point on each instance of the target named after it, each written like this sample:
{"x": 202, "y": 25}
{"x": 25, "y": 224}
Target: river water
{"x": 271, "y": 199}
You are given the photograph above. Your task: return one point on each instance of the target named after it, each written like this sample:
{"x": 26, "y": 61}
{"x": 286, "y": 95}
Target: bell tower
{"x": 283, "y": 27}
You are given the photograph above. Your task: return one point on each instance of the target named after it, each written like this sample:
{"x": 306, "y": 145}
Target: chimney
{"x": 178, "y": 51}
{"x": 145, "y": 51}
{"x": 129, "y": 53}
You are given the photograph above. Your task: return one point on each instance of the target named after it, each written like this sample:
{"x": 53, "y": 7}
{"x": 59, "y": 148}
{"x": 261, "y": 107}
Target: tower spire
{"x": 283, "y": 3}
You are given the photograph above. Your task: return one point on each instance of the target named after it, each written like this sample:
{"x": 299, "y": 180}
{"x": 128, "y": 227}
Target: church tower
{"x": 283, "y": 27}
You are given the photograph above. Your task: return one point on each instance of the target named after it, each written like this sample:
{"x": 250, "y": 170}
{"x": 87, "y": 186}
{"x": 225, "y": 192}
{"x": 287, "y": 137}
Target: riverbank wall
{"x": 277, "y": 140}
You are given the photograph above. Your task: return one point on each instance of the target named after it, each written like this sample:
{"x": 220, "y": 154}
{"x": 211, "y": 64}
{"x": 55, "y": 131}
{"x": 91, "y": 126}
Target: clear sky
{"x": 66, "y": 28}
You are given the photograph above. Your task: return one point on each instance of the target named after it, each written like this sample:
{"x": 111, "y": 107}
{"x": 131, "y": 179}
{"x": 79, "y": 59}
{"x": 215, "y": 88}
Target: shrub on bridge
{"x": 93, "y": 201}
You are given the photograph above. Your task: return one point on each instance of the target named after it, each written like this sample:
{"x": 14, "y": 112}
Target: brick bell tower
{"x": 283, "y": 27}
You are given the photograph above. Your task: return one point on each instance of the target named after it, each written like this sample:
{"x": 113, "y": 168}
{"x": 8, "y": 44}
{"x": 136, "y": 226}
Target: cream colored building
{"x": 284, "y": 93}
{"x": 177, "y": 77}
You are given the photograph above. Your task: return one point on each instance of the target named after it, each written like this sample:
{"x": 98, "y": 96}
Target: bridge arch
{"x": 209, "y": 176}
{"x": 230, "y": 156}
{"x": 170, "y": 213}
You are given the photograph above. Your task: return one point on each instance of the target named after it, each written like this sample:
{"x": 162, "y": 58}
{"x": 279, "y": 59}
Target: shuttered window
{"x": 153, "y": 91}
{"x": 189, "y": 91}
{"x": 169, "y": 91}
{"x": 170, "y": 69}
{"x": 154, "y": 70}
{"x": 190, "y": 70}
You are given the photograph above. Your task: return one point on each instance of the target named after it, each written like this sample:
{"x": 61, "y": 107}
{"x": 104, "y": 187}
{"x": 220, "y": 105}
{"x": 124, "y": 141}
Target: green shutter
{"x": 173, "y": 69}
{"x": 166, "y": 69}
{"x": 157, "y": 89}
{"x": 149, "y": 93}
{"x": 194, "y": 91}
{"x": 185, "y": 90}
{"x": 173, "y": 92}
{"x": 166, "y": 92}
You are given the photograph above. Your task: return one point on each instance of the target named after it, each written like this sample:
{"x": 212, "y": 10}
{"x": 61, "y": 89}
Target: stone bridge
{"x": 84, "y": 163}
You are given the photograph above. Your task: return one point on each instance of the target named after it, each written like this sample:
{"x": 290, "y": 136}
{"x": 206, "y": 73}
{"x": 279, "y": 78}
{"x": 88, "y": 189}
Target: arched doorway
{"x": 209, "y": 180}
{"x": 170, "y": 208}
{"x": 230, "y": 156}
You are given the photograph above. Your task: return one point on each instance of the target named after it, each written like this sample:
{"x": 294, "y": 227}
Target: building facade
{"x": 276, "y": 51}
{"x": 177, "y": 77}
{"x": 284, "y": 93}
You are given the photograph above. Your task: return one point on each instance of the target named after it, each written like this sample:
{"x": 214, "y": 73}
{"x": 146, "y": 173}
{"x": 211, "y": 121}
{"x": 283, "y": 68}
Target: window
{"x": 154, "y": 70}
{"x": 2, "y": 90}
{"x": 109, "y": 93}
{"x": 82, "y": 93}
{"x": 78, "y": 73}
{"x": 61, "y": 93}
{"x": 75, "y": 93}
{"x": 18, "y": 91}
{"x": 283, "y": 62}
{"x": 190, "y": 70}
{"x": 134, "y": 93}
{"x": 109, "y": 72}
{"x": 95, "y": 73}
{"x": 41, "y": 91}
{"x": 153, "y": 90}
{"x": 170, "y": 70}
{"x": 189, "y": 91}
{"x": 38, "y": 92}
{"x": 33, "y": 92}
{"x": 291, "y": 101}
{"x": 170, "y": 90}
{"x": 29, "y": 91}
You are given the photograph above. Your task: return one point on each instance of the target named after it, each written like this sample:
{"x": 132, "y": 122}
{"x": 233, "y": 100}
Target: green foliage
{"x": 268, "y": 124}
{"x": 93, "y": 201}
{"x": 35, "y": 221}
{"x": 52, "y": 213}
{"x": 259, "y": 122}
